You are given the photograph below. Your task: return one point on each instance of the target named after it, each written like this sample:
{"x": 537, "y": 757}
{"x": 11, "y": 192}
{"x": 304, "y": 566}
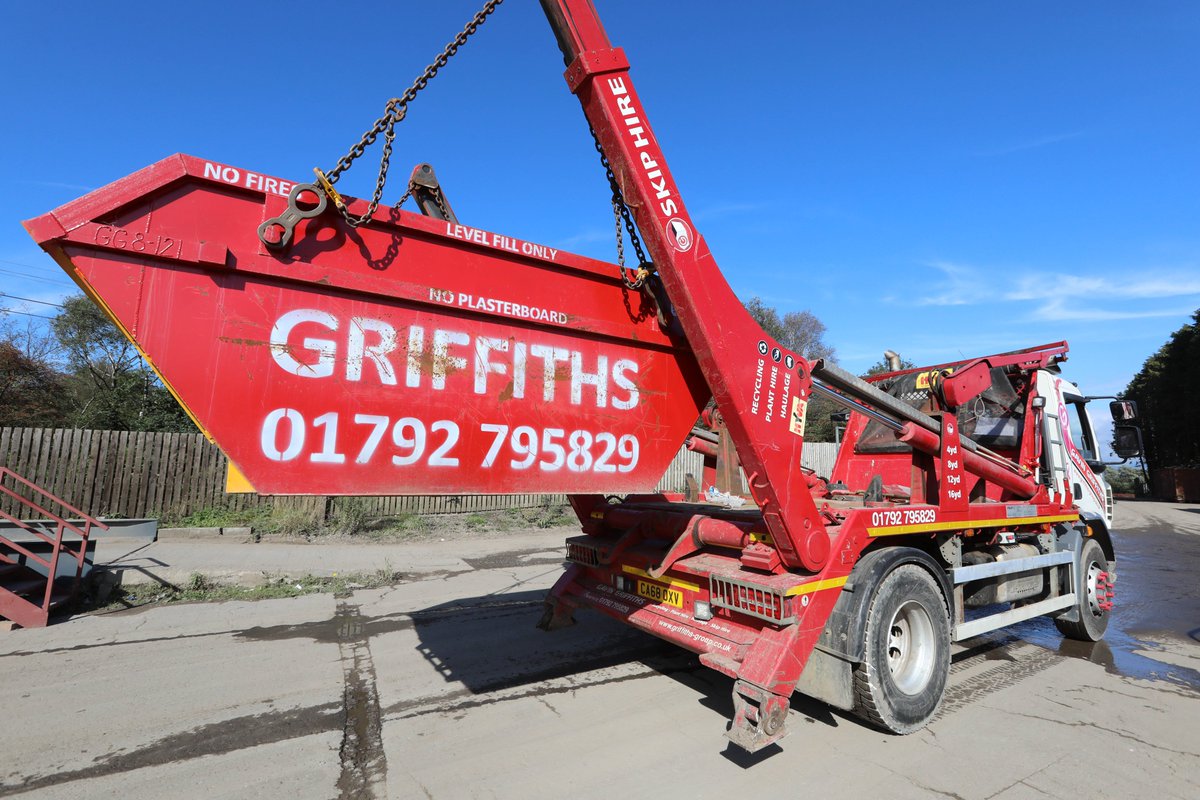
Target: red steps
{"x": 32, "y": 582}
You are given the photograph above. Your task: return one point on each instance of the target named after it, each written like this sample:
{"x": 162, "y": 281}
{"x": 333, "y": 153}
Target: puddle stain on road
{"x": 215, "y": 738}
{"x": 364, "y": 764}
{"x": 1156, "y": 603}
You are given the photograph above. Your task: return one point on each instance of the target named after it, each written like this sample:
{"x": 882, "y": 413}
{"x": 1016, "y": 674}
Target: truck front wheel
{"x": 1095, "y": 596}
{"x": 906, "y": 658}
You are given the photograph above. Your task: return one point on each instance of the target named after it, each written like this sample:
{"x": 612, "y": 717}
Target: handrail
{"x": 61, "y": 524}
{"x": 6, "y": 471}
{"x": 75, "y": 552}
{"x": 26, "y": 526}
{"x": 44, "y": 512}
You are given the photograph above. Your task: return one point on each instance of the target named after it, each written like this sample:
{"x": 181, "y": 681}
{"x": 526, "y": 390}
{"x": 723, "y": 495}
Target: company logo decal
{"x": 679, "y": 234}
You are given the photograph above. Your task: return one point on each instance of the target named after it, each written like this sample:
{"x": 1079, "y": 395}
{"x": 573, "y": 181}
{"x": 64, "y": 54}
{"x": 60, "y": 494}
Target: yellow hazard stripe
{"x": 691, "y": 587}
{"x": 95, "y": 297}
{"x": 804, "y": 588}
{"x": 929, "y": 527}
{"x": 816, "y": 586}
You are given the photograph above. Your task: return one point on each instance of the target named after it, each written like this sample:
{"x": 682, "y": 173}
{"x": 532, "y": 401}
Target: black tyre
{"x": 900, "y": 684}
{"x": 1094, "y": 601}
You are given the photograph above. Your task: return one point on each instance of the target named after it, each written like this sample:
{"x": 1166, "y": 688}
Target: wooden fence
{"x": 170, "y": 475}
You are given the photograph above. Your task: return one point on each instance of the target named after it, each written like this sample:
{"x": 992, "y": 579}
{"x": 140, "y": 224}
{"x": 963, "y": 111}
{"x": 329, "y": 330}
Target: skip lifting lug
{"x": 284, "y": 225}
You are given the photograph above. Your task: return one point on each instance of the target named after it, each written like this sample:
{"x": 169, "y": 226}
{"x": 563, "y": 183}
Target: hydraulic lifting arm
{"x": 761, "y": 389}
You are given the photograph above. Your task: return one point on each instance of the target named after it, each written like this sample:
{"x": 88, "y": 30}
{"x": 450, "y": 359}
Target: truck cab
{"x": 1072, "y": 462}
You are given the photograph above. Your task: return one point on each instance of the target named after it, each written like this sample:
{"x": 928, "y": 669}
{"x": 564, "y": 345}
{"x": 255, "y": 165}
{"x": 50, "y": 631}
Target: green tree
{"x": 1126, "y": 480}
{"x": 801, "y": 332}
{"x": 1166, "y": 391}
{"x": 111, "y": 386}
{"x": 32, "y": 393}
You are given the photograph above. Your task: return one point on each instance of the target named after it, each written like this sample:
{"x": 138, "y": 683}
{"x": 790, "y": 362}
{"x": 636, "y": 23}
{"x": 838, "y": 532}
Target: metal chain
{"x": 393, "y": 113}
{"x": 620, "y": 239}
{"x": 621, "y": 215}
{"x": 437, "y": 198}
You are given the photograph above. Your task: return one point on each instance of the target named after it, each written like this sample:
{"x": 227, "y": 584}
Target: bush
{"x": 1126, "y": 480}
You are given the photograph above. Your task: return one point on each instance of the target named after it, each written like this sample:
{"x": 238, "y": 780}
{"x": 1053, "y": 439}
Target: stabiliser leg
{"x": 558, "y": 612}
{"x": 759, "y": 717}
{"x": 763, "y": 688}
{"x": 556, "y": 615}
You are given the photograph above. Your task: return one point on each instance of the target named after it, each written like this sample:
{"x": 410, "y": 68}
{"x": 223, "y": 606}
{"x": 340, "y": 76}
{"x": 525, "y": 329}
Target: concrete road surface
{"x": 442, "y": 688}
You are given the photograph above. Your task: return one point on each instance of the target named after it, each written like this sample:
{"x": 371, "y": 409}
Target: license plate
{"x": 660, "y": 593}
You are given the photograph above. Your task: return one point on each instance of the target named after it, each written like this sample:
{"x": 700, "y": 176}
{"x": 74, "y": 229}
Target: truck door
{"x": 1084, "y": 483}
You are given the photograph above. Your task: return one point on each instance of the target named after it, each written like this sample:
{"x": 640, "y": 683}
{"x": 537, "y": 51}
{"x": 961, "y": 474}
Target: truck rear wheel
{"x": 906, "y": 658}
{"x": 1095, "y": 596}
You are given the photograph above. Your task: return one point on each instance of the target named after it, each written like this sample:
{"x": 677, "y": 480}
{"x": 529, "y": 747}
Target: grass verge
{"x": 349, "y": 516}
{"x": 202, "y": 588}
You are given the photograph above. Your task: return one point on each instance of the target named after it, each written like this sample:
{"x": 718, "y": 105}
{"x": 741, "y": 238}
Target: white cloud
{"x": 1161, "y": 284}
{"x": 962, "y": 286}
{"x": 1063, "y": 296}
{"x": 1077, "y": 308}
{"x": 1031, "y": 144}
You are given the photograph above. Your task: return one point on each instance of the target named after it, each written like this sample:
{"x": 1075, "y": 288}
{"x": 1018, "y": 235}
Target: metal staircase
{"x": 39, "y": 573}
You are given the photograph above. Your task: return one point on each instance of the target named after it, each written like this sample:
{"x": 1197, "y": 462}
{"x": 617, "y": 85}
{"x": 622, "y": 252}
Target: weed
{"x": 217, "y": 518}
{"x": 348, "y": 515}
{"x": 476, "y": 522}
{"x": 201, "y": 588}
{"x": 545, "y": 515}
{"x": 197, "y": 582}
{"x": 412, "y": 523}
{"x": 292, "y": 521}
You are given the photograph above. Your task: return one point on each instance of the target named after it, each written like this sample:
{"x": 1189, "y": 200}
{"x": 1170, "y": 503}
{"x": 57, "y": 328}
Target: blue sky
{"x": 942, "y": 179}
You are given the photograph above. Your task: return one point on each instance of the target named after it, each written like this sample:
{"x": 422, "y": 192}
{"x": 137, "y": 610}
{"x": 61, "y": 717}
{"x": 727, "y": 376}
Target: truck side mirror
{"x": 1123, "y": 410}
{"x": 1127, "y": 441}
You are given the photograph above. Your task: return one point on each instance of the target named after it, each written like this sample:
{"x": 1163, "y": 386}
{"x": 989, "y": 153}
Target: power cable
{"x": 29, "y": 276}
{"x": 30, "y": 300}
{"x": 19, "y": 263}
{"x": 23, "y": 313}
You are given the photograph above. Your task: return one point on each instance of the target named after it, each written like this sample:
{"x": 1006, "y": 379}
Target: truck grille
{"x": 753, "y": 600}
{"x": 582, "y": 551}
